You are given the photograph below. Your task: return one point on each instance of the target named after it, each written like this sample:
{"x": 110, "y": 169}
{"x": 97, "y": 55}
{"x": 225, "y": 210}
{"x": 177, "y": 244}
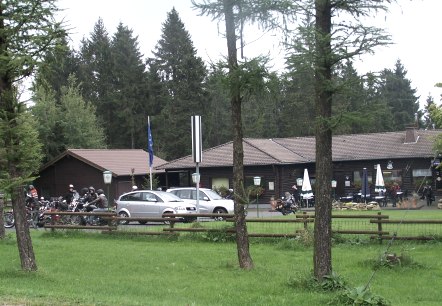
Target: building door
{"x": 340, "y": 183}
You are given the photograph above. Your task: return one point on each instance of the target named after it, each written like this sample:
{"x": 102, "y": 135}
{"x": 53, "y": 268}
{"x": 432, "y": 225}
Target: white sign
{"x": 197, "y": 147}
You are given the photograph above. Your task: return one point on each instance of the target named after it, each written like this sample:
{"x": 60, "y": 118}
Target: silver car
{"x": 152, "y": 204}
{"x": 209, "y": 200}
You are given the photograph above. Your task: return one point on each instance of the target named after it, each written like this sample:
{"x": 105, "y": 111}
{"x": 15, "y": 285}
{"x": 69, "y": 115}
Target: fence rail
{"x": 376, "y": 226}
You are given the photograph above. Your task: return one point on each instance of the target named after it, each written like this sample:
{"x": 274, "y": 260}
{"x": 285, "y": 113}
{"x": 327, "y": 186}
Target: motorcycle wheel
{"x": 8, "y": 219}
{"x": 75, "y": 220}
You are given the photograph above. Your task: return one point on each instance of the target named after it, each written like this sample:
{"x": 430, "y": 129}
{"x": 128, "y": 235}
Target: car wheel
{"x": 219, "y": 211}
{"x": 167, "y": 215}
{"x": 123, "y": 215}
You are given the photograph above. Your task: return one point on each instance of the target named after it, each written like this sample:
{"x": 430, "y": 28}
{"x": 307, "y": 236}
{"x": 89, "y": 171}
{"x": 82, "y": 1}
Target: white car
{"x": 152, "y": 204}
{"x": 209, "y": 200}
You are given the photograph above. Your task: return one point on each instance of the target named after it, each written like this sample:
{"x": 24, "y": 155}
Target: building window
{"x": 391, "y": 176}
{"x": 218, "y": 182}
{"x": 421, "y": 177}
{"x": 421, "y": 173}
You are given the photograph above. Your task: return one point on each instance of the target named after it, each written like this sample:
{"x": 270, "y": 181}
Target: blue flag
{"x": 149, "y": 144}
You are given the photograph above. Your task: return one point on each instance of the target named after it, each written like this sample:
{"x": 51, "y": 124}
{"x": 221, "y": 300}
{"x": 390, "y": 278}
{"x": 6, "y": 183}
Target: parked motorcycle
{"x": 32, "y": 216}
{"x": 48, "y": 206}
{"x": 8, "y": 219}
{"x": 81, "y": 205}
{"x": 286, "y": 205}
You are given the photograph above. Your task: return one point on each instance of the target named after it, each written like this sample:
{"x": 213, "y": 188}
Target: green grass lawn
{"x": 95, "y": 269}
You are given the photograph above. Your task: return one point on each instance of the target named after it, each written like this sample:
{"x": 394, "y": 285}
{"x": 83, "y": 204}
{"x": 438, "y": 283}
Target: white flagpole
{"x": 150, "y": 166}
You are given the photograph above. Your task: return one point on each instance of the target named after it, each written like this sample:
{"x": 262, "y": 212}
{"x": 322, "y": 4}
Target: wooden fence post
{"x": 305, "y": 217}
{"x": 380, "y": 227}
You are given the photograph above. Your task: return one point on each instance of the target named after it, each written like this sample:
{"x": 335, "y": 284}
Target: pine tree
{"x": 181, "y": 73}
{"x": 27, "y": 31}
{"x": 67, "y": 124}
{"x": 129, "y": 96}
{"x": 46, "y": 111}
{"x": 429, "y": 106}
{"x": 96, "y": 76}
{"x": 401, "y": 98}
{"x": 58, "y": 64}
{"x": 217, "y": 122}
{"x": 353, "y": 112}
{"x": 78, "y": 121}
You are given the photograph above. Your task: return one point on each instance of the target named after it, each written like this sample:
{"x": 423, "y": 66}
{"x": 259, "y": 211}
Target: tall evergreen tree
{"x": 46, "y": 111}
{"x": 129, "y": 92}
{"x": 428, "y": 121}
{"x": 271, "y": 97}
{"x": 217, "y": 122}
{"x": 27, "y": 31}
{"x": 334, "y": 42}
{"x": 299, "y": 105}
{"x": 182, "y": 74}
{"x": 69, "y": 123}
{"x": 78, "y": 120}
{"x": 401, "y": 98}
{"x": 96, "y": 76}
{"x": 357, "y": 109}
{"x": 58, "y": 64}
{"x": 346, "y": 41}
{"x": 297, "y": 109}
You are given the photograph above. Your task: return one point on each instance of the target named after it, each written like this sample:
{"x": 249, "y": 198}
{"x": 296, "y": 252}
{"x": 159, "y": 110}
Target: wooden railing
{"x": 379, "y": 220}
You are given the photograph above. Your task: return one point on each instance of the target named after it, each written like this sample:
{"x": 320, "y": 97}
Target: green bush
{"x": 358, "y": 296}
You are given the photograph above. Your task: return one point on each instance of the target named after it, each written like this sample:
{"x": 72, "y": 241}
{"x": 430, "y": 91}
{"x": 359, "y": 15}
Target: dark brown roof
{"x": 301, "y": 150}
{"x": 119, "y": 161}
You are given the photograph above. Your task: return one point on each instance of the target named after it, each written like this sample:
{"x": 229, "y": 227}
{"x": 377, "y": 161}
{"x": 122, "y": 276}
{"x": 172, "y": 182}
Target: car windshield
{"x": 213, "y": 195}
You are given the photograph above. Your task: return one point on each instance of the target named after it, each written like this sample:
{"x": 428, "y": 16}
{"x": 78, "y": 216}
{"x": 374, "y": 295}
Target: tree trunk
{"x": 24, "y": 241}
{"x": 322, "y": 258}
{"x": 242, "y": 238}
{"x": 2, "y": 223}
{"x": 12, "y": 143}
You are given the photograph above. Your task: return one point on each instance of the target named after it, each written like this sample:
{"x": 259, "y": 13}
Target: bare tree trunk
{"x": 322, "y": 258}
{"x": 242, "y": 238}
{"x": 24, "y": 242}
{"x": 12, "y": 143}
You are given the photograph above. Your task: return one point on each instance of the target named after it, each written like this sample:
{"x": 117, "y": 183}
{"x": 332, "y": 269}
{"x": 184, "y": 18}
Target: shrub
{"x": 219, "y": 236}
{"x": 392, "y": 260}
{"x": 306, "y": 237}
{"x": 358, "y": 296}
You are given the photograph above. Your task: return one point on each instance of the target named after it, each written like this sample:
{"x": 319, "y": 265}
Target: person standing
{"x": 32, "y": 197}
{"x": 394, "y": 190}
{"x": 296, "y": 194}
{"x": 428, "y": 193}
{"x": 70, "y": 195}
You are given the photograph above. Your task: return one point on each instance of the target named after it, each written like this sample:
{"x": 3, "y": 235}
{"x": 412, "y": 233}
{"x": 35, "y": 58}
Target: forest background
{"x": 99, "y": 94}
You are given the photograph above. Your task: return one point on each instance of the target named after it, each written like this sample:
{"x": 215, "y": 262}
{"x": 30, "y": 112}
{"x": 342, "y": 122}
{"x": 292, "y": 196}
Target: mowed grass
{"x": 95, "y": 269}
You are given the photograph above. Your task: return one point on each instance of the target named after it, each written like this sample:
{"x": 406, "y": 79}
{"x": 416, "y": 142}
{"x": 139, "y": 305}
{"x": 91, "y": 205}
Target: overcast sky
{"x": 415, "y": 27}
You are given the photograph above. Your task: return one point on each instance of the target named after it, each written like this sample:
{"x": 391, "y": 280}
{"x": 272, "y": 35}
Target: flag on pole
{"x": 149, "y": 143}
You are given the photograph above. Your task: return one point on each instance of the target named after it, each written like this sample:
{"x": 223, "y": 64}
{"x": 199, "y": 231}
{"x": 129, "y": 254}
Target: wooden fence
{"x": 374, "y": 227}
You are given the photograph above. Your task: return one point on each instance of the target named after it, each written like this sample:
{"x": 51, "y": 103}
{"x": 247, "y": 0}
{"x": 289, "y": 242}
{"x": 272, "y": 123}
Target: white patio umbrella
{"x": 306, "y": 190}
{"x": 380, "y": 185}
